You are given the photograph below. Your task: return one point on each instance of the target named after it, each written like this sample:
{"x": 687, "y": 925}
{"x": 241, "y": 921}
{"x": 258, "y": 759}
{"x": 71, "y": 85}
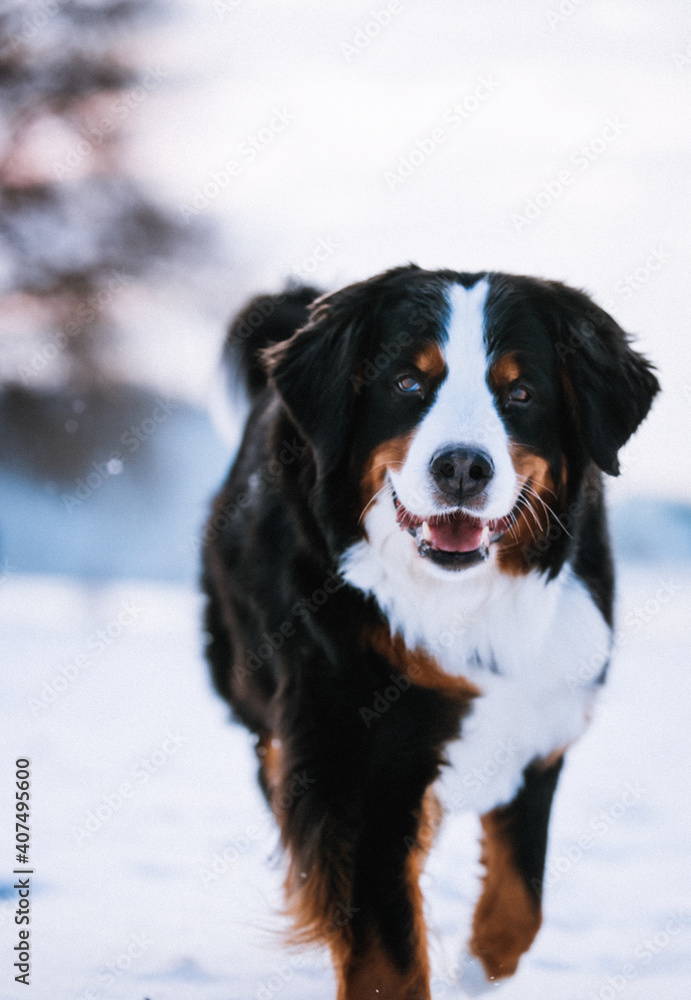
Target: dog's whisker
{"x": 527, "y": 480}
{"x": 524, "y": 504}
{"x": 553, "y": 513}
{"x": 529, "y": 490}
{"x": 528, "y": 524}
{"x": 387, "y": 487}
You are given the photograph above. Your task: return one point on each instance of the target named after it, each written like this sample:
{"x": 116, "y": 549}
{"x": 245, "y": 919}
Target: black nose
{"x": 461, "y": 473}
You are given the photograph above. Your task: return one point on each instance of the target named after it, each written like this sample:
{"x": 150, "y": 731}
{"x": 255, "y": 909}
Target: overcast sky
{"x": 334, "y": 140}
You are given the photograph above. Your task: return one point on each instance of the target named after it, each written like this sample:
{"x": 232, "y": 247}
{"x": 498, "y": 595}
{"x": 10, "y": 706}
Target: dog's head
{"x": 471, "y": 405}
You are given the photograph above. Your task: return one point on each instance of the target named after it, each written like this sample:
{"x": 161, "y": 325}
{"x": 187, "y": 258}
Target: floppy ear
{"x": 314, "y": 370}
{"x": 611, "y": 386}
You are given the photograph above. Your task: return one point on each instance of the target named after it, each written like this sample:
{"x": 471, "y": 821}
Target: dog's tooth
{"x": 485, "y": 536}
{"x": 426, "y": 531}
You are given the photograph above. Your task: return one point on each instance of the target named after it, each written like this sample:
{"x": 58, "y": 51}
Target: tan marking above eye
{"x": 504, "y": 371}
{"x": 430, "y": 360}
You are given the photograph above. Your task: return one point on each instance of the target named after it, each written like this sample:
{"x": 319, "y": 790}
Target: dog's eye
{"x": 519, "y": 394}
{"x": 408, "y": 385}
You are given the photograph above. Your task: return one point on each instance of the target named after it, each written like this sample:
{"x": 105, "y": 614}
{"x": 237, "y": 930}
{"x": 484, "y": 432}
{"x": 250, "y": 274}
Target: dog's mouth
{"x": 455, "y": 540}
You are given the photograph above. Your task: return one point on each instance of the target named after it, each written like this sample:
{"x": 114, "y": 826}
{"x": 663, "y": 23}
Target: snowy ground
{"x": 156, "y": 870}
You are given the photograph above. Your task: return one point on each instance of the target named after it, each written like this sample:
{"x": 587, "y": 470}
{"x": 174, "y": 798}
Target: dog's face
{"x": 475, "y": 462}
{"x": 469, "y": 405}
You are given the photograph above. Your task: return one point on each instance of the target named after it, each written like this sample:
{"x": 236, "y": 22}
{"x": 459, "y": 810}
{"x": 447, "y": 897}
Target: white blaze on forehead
{"x": 463, "y": 414}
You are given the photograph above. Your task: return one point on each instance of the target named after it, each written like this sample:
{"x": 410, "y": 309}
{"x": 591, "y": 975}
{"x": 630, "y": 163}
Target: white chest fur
{"x": 521, "y": 640}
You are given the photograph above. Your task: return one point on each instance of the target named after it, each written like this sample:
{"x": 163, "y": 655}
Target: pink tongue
{"x": 459, "y": 535}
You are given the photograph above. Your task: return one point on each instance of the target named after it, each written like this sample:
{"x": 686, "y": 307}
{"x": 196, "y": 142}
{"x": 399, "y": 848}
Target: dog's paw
{"x": 473, "y": 978}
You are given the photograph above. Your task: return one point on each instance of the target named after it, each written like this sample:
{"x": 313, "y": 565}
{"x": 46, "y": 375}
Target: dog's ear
{"x": 609, "y": 386}
{"x": 314, "y": 371}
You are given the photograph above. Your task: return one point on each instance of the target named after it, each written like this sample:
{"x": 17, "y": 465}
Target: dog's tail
{"x": 265, "y": 320}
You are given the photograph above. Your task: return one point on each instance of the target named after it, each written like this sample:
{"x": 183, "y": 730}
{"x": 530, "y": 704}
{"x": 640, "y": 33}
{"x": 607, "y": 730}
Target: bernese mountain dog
{"x": 410, "y": 589}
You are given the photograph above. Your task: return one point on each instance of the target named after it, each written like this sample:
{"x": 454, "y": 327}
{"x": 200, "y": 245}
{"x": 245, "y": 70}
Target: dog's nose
{"x": 461, "y": 473}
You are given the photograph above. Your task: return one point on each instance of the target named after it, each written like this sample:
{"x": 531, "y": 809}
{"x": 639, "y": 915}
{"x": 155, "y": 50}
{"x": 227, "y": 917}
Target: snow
{"x": 176, "y": 888}
{"x": 154, "y": 853}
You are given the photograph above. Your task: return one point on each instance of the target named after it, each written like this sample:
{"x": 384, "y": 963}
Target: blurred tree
{"x": 77, "y": 234}
{"x": 75, "y": 231}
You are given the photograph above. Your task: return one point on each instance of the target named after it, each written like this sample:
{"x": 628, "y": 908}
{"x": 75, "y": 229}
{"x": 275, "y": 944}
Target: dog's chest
{"x": 522, "y": 641}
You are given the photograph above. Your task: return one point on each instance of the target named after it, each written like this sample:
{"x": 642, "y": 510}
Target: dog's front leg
{"x": 352, "y": 883}
{"x": 386, "y": 956}
{"x": 509, "y": 911}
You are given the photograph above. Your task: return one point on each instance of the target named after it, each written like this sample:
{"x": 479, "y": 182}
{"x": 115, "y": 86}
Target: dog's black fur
{"x": 288, "y": 640}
